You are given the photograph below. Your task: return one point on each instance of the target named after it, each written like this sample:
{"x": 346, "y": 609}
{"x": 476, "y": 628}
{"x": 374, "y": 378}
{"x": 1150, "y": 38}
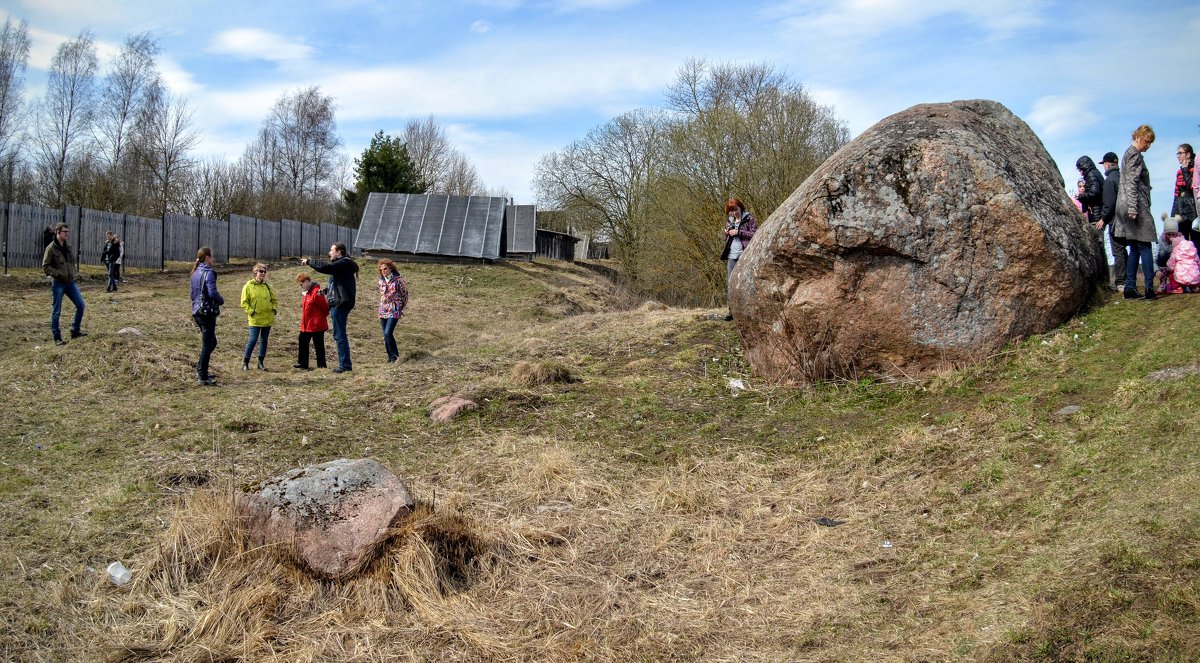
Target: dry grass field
{"x": 612, "y": 499}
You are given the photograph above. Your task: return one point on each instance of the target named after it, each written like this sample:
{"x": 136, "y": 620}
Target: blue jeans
{"x": 255, "y": 333}
{"x": 389, "y": 340}
{"x": 208, "y": 342}
{"x": 338, "y": 317}
{"x": 57, "y": 290}
{"x": 1141, "y": 249}
{"x": 112, "y": 275}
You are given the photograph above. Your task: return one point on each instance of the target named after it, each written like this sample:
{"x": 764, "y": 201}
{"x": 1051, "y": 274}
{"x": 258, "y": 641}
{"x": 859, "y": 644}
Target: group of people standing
{"x": 1120, "y": 201}
{"x": 261, "y": 305}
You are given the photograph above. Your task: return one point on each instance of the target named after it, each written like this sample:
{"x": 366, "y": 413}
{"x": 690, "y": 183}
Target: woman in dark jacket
{"x": 204, "y": 286}
{"x": 1092, "y": 195}
{"x": 740, "y": 227}
{"x": 1134, "y": 223}
{"x": 1184, "y": 205}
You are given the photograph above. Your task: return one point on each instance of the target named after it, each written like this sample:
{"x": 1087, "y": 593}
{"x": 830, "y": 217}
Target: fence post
{"x": 162, "y": 243}
{"x": 7, "y": 221}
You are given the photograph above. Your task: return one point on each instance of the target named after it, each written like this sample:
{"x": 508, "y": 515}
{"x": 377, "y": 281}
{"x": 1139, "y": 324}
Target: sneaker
{"x": 1149, "y": 295}
{"x": 206, "y": 382}
{"x": 302, "y": 367}
{"x": 339, "y": 369}
{"x": 392, "y": 360}
{"x": 76, "y": 333}
{"x": 59, "y": 341}
{"x": 1132, "y": 293}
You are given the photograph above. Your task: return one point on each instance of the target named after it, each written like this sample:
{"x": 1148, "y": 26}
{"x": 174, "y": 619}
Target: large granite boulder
{"x": 333, "y": 517}
{"x": 937, "y": 236}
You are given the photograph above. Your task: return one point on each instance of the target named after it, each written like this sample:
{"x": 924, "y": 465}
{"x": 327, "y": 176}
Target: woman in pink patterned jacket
{"x": 393, "y": 297}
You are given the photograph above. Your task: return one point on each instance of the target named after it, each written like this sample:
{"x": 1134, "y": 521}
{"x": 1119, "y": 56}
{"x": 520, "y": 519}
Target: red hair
{"x": 734, "y": 205}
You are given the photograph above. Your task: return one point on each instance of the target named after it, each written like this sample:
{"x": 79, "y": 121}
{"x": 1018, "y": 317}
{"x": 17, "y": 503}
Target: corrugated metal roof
{"x": 521, "y": 221}
{"x": 461, "y": 226}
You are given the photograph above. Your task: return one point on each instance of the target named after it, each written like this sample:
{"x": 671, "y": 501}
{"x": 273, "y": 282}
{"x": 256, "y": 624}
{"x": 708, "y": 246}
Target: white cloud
{"x": 480, "y": 27}
{"x": 1060, "y": 116}
{"x": 255, "y": 44}
{"x": 860, "y": 20}
{"x": 504, "y": 159}
{"x": 508, "y": 85}
{"x": 176, "y": 78}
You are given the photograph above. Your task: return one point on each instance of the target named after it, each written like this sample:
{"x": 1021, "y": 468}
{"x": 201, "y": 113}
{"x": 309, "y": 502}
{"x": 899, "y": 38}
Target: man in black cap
{"x": 1120, "y": 250}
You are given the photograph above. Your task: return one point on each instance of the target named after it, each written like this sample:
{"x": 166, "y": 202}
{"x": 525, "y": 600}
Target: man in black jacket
{"x": 1093, "y": 185}
{"x": 1108, "y": 208}
{"x": 341, "y": 292}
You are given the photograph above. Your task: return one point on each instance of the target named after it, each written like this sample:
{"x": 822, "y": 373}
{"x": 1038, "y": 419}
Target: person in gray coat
{"x": 1134, "y": 223}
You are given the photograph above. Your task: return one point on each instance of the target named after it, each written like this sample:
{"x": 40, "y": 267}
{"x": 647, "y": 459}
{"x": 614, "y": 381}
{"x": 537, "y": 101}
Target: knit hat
{"x": 1170, "y": 223}
{"x": 1110, "y": 157}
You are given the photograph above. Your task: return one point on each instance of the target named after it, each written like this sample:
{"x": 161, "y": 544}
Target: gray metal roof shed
{"x": 432, "y": 225}
{"x": 521, "y": 228}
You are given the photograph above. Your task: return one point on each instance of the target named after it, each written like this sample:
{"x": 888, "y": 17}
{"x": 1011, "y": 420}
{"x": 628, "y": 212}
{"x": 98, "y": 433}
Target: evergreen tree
{"x": 384, "y": 167}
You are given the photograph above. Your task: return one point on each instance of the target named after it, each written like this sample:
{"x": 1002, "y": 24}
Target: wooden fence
{"x": 152, "y": 242}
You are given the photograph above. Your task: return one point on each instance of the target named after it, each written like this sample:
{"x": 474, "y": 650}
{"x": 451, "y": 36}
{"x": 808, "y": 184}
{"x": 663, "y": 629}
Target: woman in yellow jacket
{"x": 260, "y": 305}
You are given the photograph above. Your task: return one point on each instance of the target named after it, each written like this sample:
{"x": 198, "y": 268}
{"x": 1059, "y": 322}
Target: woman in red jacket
{"x": 313, "y": 310}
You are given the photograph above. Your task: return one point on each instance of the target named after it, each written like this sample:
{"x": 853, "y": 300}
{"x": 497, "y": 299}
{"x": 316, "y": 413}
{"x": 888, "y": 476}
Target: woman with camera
{"x": 740, "y": 227}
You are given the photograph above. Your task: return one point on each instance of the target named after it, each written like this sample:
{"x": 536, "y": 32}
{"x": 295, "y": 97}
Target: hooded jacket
{"x": 1093, "y": 188}
{"x": 313, "y": 310}
{"x": 1183, "y": 262}
{"x": 259, "y": 303}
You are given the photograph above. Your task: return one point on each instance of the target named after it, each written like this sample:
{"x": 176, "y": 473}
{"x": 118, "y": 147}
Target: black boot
{"x": 260, "y": 365}
{"x": 245, "y": 364}
{"x": 1132, "y": 293}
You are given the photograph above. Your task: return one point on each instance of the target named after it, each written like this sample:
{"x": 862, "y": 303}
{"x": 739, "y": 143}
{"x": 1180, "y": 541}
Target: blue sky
{"x": 511, "y": 80}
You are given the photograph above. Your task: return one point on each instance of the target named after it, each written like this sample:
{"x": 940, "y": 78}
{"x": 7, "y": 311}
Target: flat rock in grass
{"x": 131, "y": 331}
{"x": 1068, "y": 411}
{"x": 333, "y": 516}
{"x": 1172, "y": 374}
{"x": 448, "y": 407}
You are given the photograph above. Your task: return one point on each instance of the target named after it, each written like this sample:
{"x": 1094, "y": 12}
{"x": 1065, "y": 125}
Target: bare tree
{"x": 606, "y": 176}
{"x": 165, "y": 136}
{"x": 64, "y": 116}
{"x": 215, "y": 189}
{"x": 131, "y": 84}
{"x": 442, "y": 167}
{"x": 295, "y": 162}
{"x": 429, "y": 149}
{"x": 462, "y": 179}
{"x": 14, "y": 56}
{"x": 747, "y": 130}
